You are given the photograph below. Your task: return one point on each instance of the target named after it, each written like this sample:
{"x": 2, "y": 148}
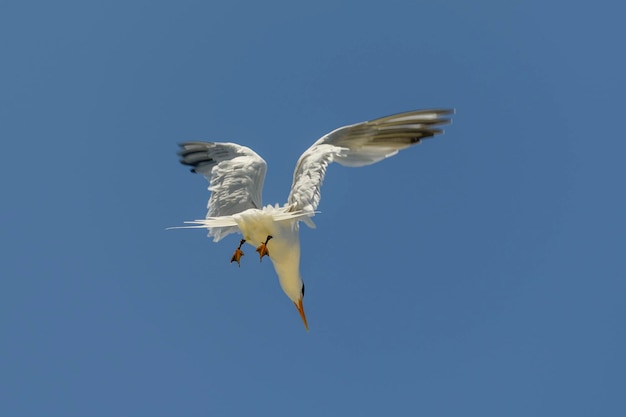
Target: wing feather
{"x": 359, "y": 145}
{"x": 235, "y": 174}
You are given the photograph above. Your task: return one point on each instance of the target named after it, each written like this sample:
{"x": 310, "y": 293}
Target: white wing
{"x": 235, "y": 174}
{"x": 358, "y": 145}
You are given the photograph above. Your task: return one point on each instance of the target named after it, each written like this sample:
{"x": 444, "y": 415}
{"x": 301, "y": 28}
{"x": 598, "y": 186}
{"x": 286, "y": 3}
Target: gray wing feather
{"x": 359, "y": 145}
{"x": 235, "y": 174}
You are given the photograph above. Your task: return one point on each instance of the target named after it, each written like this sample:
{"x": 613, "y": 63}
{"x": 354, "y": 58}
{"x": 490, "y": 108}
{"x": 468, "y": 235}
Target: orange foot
{"x": 238, "y": 253}
{"x": 262, "y": 249}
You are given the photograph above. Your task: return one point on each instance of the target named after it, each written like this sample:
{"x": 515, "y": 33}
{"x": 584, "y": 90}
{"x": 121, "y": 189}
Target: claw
{"x": 238, "y": 254}
{"x": 262, "y": 249}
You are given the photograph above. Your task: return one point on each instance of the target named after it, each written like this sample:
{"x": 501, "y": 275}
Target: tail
{"x": 208, "y": 223}
{"x": 222, "y": 226}
{"x": 218, "y": 227}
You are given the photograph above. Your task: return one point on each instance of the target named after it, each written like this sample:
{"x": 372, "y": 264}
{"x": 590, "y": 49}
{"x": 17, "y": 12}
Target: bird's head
{"x": 293, "y": 287}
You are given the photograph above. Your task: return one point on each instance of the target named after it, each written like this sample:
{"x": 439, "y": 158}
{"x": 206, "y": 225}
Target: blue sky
{"x": 480, "y": 273}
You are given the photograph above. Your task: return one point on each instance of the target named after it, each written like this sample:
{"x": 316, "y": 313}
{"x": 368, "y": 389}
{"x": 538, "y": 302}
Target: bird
{"x": 236, "y": 175}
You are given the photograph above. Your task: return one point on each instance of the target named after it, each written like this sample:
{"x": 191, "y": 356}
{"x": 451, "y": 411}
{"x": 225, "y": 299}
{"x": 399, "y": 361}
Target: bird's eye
{"x": 303, "y": 290}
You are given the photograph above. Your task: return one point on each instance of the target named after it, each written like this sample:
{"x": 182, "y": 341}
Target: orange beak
{"x": 302, "y": 315}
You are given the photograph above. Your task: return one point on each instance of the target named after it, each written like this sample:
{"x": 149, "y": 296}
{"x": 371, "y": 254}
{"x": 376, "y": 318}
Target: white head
{"x": 284, "y": 251}
{"x": 294, "y": 289}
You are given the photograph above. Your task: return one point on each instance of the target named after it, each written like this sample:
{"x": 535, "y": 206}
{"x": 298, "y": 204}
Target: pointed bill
{"x": 300, "y": 308}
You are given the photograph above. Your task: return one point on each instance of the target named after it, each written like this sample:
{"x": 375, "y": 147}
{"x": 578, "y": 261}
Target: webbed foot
{"x": 262, "y": 249}
{"x": 238, "y": 254}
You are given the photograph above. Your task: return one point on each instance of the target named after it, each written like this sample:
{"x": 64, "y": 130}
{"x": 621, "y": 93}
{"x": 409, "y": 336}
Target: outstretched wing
{"x": 235, "y": 174}
{"x": 359, "y": 145}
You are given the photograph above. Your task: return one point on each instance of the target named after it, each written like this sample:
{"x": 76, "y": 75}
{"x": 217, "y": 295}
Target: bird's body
{"x": 236, "y": 174}
{"x": 284, "y": 247}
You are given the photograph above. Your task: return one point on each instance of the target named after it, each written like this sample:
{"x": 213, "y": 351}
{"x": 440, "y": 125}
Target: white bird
{"x": 236, "y": 174}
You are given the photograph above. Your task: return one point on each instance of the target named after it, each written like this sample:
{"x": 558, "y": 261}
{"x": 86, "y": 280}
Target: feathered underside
{"x": 359, "y": 145}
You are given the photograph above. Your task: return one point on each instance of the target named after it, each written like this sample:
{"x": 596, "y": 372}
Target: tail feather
{"x": 215, "y": 224}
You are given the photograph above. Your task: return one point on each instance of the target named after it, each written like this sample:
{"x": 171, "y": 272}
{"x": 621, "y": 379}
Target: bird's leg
{"x": 262, "y": 249}
{"x": 238, "y": 253}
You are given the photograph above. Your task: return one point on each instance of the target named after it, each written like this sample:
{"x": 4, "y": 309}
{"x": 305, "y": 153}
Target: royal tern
{"x": 236, "y": 174}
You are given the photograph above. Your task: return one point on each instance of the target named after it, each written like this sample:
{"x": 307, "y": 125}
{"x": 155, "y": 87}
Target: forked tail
{"x": 221, "y": 226}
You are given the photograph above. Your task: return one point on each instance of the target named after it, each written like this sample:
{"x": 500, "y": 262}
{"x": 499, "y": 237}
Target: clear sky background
{"x": 481, "y": 273}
